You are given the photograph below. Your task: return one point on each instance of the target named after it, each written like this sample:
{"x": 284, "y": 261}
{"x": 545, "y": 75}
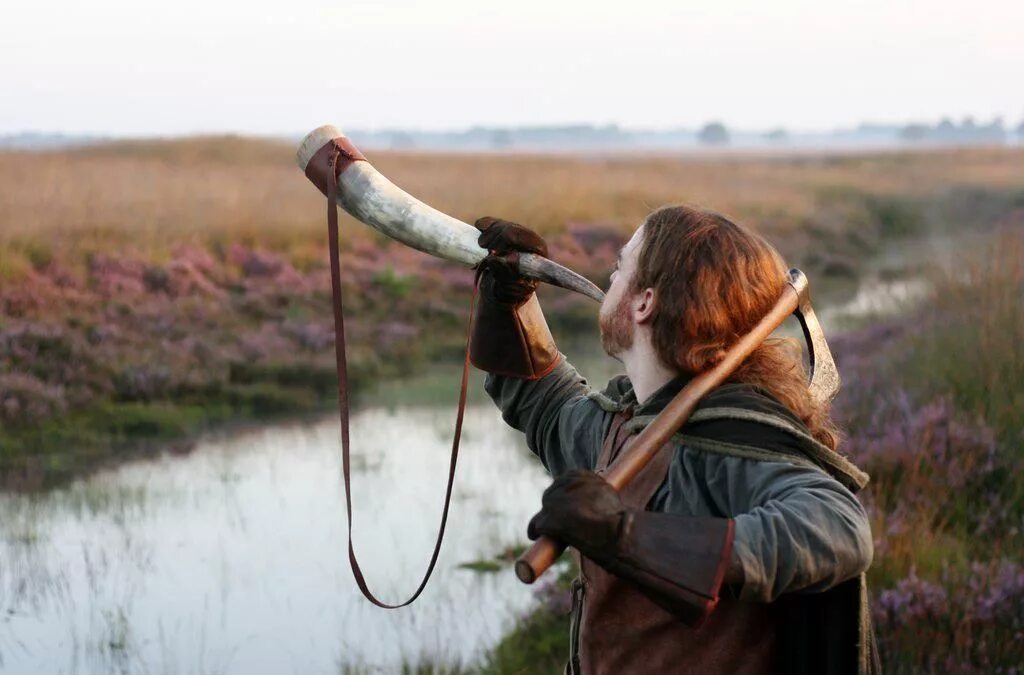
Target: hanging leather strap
{"x": 337, "y": 160}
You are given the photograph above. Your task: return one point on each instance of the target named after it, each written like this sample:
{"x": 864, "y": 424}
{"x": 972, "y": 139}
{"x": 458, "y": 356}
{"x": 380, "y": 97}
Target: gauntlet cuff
{"x": 512, "y": 340}
{"x": 679, "y": 562}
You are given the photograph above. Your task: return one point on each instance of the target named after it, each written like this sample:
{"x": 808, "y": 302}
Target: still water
{"x": 232, "y": 559}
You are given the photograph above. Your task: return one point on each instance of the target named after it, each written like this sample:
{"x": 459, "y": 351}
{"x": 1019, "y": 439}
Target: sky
{"x": 135, "y": 67}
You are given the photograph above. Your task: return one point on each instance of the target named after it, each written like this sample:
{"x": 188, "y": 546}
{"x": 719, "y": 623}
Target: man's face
{"x": 616, "y": 315}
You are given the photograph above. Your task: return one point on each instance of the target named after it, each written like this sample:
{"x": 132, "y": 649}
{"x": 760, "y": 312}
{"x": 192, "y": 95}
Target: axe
{"x": 824, "y": 383}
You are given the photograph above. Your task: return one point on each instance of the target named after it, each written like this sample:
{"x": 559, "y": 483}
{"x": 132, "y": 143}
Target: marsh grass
{"x": 539, "y": 642}
{"x": 935, "y": 418}
{"x": 973, "y": 343}
{"x": 149, "y": 196}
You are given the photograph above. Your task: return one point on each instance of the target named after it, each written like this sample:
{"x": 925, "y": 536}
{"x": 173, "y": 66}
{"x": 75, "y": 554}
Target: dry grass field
{"x": 143, "y": 198}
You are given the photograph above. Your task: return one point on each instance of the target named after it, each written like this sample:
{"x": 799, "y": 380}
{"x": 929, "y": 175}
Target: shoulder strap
{"x": 806, "y": 452}
{"x": 343, "y": 390}
{"x": 834, "y": 463}
{"x": 613, "y": 440}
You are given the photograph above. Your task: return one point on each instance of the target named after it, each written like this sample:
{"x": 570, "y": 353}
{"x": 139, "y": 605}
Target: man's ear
{"x": 644, "y": 303}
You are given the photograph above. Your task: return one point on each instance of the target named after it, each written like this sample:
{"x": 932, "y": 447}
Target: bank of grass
{"x": 973, "y": 344}
{"x": 62, "y": 448}
{"x": 538, "y": 643}
{"x": 949, "y": 582}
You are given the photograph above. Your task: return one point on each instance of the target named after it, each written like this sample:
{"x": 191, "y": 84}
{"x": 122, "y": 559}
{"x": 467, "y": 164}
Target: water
{"x": 232, "y": 558}
{"x": 875, "y": 297}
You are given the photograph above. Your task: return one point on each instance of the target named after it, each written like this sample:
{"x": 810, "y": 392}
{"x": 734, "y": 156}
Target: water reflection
{"x": 233, "y": 559}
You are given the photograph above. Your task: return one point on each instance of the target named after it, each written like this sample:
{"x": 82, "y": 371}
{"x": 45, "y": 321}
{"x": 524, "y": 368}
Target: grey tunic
{"x": 797, "y": 527}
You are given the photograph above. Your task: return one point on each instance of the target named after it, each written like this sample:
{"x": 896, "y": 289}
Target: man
{"x": 741, "y": 548}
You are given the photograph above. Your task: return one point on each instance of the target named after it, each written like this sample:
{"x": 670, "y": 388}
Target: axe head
{"x": 825, "y": 381}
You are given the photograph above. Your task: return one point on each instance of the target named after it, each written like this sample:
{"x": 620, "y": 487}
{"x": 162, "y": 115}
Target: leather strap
{"x": 336, "y": 160}
{"x": 321, "y": 167}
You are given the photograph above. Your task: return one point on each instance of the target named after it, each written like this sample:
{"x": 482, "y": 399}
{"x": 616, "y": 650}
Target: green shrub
{"x": 144, "y": 420}
{"x": 259, "y": 400}
{"x": 538, "y": 644}
{"x": 394, "y": 285}
{"x": 896, "y": 216}
{"x": 319, "y": 378}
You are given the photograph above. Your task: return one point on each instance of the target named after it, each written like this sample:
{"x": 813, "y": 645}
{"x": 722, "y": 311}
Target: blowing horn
{"x": 371, "y": 198}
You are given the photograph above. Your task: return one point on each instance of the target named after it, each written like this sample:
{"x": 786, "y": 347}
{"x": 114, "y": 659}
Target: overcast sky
{"x": 139, "y": 67}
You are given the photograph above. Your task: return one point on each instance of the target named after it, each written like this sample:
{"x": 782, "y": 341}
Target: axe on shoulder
{"x": 824, "y": 383}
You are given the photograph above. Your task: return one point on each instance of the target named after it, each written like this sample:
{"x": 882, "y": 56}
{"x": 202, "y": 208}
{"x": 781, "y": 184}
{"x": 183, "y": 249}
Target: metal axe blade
{"x": 824, "y": 380}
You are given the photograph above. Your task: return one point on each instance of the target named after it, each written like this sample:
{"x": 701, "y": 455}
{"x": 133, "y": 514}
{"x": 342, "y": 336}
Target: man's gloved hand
{"x": 678, "y": 561}
{"x": 510, "y": 336}
{"x": 504, "y": 236}
{"x": 580, "y": 509}
{"x": 501, "y": 238}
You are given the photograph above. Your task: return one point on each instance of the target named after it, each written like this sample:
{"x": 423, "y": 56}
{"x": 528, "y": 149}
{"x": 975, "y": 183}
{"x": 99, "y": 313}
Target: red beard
{"x": 617, "y": 328}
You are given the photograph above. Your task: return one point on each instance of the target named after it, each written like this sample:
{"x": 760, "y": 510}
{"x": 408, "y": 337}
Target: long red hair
{"x": 714, "y": 280}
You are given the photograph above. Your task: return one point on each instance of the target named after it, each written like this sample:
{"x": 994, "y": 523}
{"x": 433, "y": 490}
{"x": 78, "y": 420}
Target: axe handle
{"x": 545, "y": 551}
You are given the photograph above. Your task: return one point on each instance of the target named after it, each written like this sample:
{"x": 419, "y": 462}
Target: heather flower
{"x": 195, "y": 257}
{"x": 921, "y": 451}
{"x": 265, "y": 343}
{"x": 186, "y": 278}
{"x": 969, "y": 620}
{"x": 1002, "y": 597}
{"x": 391, "y": 333}
{"x": 25, "y": 400}
{"x": 311, "y": 336}
{"x": 255, "y": 262}
{"x": 116, "y": 277}
{"x": 142, "y": 382}
{"x": 912, "y": 600}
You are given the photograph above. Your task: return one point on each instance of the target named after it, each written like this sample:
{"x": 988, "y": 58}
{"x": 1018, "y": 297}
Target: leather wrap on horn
{"x": 372, "y": 199}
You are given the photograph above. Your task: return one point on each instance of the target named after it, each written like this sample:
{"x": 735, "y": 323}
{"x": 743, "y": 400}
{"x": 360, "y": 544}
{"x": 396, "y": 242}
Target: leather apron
{"x": 617, "y": 630}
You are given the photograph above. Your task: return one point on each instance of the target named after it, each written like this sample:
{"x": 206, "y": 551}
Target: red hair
{"x": 714, "y": 281}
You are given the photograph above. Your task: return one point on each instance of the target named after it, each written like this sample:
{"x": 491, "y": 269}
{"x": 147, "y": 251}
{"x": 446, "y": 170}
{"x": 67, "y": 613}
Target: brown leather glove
{"x": 678, "y": 561}
{"x": 510, "y": 336}
{"x": 580, "y": 509}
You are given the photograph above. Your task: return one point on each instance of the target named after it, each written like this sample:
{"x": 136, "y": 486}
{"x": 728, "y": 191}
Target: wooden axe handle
{"x": 545, "y": 551}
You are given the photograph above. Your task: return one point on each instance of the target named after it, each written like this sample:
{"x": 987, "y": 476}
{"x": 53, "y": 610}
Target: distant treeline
{"x": 967, "y": 132}
{"x": 715, "y": 133}
{"x": 614, "y": 137}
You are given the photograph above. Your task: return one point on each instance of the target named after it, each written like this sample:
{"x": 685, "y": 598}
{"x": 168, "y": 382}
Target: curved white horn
{"x": 372, "y": 199}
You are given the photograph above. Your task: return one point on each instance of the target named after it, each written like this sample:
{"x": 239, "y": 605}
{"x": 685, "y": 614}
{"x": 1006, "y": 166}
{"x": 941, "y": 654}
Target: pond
{"x": 232, "y": 558}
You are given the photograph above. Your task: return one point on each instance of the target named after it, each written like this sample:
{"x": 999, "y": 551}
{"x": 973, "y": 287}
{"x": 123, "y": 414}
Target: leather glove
{"x": 679, "y": 562}
{"x": 510, "y": 336}
{"x": 501, "y": 238}
{"x": 580, "y": 509}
